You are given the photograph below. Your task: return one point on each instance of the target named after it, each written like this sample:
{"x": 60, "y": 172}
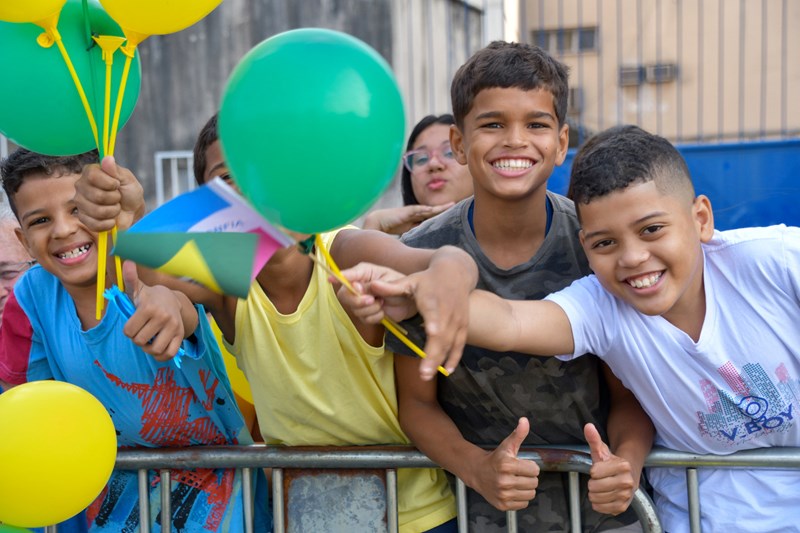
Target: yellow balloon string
{"x": 387, "y": 322}
{"x": 102, "y": 250}
{"x": 117, "y": 261}
{"x": 129, "y": 50}
{"x": 108, "y": 44}
{"x": 55, "y": 37}
{"x": 120, "y": 95}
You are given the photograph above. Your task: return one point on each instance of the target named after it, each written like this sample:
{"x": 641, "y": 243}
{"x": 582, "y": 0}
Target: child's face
{"x": 51, "y": 231}
{"x": 436, "y": 178}
{"x": 511, "y": 141}
{"x": 644, "y": 247}
{"x": 216, "y": 166}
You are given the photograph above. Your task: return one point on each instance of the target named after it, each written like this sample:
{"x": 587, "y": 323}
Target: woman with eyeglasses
{"x": 431, "y": 180}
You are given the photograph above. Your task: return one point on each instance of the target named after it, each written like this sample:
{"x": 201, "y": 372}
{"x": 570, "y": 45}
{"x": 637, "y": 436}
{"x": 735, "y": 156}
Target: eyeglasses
{"x": 10, "y": 271}
{"x": 416, "y": 159}
{"x": 227, "y": 178}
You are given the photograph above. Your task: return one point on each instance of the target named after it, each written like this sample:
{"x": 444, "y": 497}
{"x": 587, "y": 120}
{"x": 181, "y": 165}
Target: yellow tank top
{"x": 316, "y": 382}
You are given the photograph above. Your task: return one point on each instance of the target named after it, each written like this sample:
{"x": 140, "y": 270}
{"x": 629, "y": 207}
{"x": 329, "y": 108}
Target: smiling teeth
{"x": 75, "y": 253}
{"x": 513, "y": 164}
{"x": 642, "y": 283}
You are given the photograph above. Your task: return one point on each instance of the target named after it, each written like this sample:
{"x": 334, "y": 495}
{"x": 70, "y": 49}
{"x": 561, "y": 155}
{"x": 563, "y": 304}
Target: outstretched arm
{"x": 537, "y": 327}
{"x": 508, "y": 483}
{"x": 442, "y": 281}
{"x": 398, "y": 220}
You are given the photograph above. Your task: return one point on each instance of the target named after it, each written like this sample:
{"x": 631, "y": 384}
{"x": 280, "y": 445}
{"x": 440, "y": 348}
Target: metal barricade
{"x": 574, "y": 460}
{"x": 364, "y": 457}
{"x": 783, "y": 458}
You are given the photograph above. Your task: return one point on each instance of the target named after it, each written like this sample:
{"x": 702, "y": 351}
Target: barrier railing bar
{"x": 693, "y": 489}
{"x": 277, "y": 501}
{"x": 511, "y": 521}
{"x": 247, "y": 499}
{"x": 166, "y": 503}
{"x": 461, "y": 505}
{"x": 574, "y": 502}
{"x": 144, "y": 501}
{"x": 392, "y": 522}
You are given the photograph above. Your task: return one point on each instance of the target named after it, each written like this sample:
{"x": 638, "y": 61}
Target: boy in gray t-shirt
{"x": 509, "y": 102}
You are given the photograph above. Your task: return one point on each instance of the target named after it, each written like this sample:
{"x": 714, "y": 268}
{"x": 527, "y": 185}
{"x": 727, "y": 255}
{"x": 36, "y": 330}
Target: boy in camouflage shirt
{"x": 509, "y": 101}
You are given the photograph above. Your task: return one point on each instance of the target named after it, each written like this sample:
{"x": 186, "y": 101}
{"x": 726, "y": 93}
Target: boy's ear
{"x": 563, "y": 144}
{"x": 22, "y": 239}
{"x": 457, "y": 144}
{"x": 703, "y": 217}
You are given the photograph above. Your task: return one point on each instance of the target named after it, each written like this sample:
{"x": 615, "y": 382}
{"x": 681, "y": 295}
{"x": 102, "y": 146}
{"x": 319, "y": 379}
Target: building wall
{"x": 736, "y": 64}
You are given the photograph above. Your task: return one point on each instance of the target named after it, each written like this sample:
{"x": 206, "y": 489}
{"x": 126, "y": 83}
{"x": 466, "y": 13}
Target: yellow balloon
{"x": 29, "y": 10}
{"x": 239, "y": 383}
{"x": 57, "y": 452}
{"x": 157, "y": 17}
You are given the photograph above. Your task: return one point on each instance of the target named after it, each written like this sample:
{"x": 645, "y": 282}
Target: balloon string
{"x": 57, "y": 38}
{"x": 113, "y": 140}
{"x": 107, "y": 104}
{"x": 109, "y": 44}
{"x": 118, "y": 107}
{"x": 102, "y": 250}
{"x": 102, "y": 238}
{"x": 117, "y": 260}
{"x": 387, "y": 322}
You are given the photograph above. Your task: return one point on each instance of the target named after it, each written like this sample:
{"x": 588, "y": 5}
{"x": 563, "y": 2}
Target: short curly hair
{"x": 22, "y": 163}
{"x": 622, "y": 155}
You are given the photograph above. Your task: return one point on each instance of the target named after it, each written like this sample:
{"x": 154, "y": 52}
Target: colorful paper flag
{"x": 210, "y": 235}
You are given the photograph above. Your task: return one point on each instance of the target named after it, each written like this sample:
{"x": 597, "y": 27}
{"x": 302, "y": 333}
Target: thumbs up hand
{"x": 508, "y": 483}
{"x": 158, "y": 325}
{"x": 612, "y": 483}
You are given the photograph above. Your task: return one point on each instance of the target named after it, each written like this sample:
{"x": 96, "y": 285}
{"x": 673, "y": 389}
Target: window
{"x": 566, "y": 40}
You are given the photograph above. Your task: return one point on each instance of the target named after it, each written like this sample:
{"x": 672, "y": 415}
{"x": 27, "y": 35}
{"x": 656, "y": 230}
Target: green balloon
{"x": 41, "y": 109}
{"x": 312, "y": 127}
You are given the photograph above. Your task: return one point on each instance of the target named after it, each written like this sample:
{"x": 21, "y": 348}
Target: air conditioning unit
{"x": 660, "y": 73}
{"x": 630, "y": 76}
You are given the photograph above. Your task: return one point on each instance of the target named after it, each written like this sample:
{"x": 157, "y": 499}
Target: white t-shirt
{"x": 737, "y": 388}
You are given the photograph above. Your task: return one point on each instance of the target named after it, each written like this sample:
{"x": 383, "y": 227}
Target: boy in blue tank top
{"x": 50, "y": 331}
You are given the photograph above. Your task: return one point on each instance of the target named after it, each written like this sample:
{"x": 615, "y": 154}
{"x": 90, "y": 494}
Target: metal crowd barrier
{"x": 551, "y": 458}
{"x": 364, "y": 457}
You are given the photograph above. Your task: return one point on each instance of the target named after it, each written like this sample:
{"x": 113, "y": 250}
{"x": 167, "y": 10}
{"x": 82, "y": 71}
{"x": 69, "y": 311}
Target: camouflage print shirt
{"x": 491, "y": 390}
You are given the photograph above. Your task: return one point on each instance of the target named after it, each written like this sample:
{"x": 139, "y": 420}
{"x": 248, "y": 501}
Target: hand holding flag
{"x": 210, "y": 235}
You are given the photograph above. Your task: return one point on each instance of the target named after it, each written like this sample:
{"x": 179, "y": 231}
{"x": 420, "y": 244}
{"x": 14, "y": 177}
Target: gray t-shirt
{"x": 490, "y": 390}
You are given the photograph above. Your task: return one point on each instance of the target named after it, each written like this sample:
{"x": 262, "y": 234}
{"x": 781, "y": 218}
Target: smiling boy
{"x": 701, "y": 325}
{"x": 509, "y": 104}
{"x": 50, "y": 331}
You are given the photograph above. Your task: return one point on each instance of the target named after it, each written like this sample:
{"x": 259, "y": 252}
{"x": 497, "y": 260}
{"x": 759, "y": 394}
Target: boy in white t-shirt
{"x": 701, "y": 325}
